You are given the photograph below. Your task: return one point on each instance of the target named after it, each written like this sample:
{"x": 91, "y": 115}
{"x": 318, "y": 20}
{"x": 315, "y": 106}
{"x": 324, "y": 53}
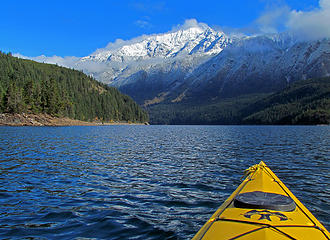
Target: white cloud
{"x": 313, "y": 24}
{"x": 111, "y": 46}
{"x": 189, "y": 23}
{"x": 150, "y": 6}
{"x": 69, "y": 62}
{"x": 62, "y": 61}
{"x": 272, "y": 21}
{"x": 120, "y": 42}
{"x": 143, "y": 24}
{"x": 308, "y": 25}
{"x": 89, "y": 66}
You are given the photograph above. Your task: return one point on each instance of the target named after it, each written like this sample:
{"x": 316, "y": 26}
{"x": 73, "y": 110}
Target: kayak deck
{"x": 262, "y": 207}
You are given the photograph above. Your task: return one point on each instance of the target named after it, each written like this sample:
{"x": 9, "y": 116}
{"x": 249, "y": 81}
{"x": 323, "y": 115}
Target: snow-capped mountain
{"x": 195, "y": 60}
{"x": 195, "y": 40}
{"x": 259, "y": 64}
{"x": 200, "y": 61}
{"x": 218, "y": 66}
{"x": 187, "y": 46}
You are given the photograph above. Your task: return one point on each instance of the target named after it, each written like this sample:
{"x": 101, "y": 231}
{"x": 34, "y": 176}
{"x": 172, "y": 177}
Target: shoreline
{"x": 24, "y": 119}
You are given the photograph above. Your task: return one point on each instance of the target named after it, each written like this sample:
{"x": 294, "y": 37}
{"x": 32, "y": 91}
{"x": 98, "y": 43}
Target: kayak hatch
{"x": 262, "y": 207}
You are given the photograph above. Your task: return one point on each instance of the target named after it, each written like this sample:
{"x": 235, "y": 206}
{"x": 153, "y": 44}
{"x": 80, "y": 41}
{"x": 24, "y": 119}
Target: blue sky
{"x": 78, "y": 28}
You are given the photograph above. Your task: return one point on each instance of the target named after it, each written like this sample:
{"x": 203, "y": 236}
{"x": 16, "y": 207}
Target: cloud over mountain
{"x": 313, "y": 24}
{"x": 62, "y": 61}
{"x": 92, "y": 66}
{"x": 188, "y": 23}
{"x": 308, "y": 25}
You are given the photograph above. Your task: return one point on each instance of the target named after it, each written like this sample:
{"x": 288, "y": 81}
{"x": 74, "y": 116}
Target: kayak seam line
{"x": 248, "y": 179}
{"x": 257, "y": 225}
{"x": 303, "y": 226}
{"x": 291, "y": 198}
{"x": 264, "y": 225}
{"x": 246, "y": 233}
{"x": 298, "y": 205}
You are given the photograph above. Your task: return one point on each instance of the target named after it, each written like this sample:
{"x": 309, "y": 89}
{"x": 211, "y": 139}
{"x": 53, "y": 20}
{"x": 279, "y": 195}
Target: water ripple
{"x": 146, "y": 182}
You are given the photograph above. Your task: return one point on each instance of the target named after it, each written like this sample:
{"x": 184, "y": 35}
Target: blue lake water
{"x": 146, "y": 182}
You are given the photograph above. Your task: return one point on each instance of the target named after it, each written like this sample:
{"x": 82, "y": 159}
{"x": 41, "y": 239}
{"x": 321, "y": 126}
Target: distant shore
{"x": 23, "y": 119}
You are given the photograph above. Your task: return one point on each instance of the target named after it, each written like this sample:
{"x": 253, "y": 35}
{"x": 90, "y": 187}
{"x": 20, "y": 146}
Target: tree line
{"x": 302, "y": 102}
{"x": 31, "y": 87}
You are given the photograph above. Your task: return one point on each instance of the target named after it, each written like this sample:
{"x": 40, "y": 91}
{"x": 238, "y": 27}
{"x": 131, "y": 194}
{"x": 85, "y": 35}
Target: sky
{"x": 79, "y": 27}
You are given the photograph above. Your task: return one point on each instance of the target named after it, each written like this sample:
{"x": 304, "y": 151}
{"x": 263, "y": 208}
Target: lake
{"x": 146, "y": 182}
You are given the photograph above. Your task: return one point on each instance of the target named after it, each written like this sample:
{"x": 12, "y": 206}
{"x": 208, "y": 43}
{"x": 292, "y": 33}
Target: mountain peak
{"x": 187, "y": 40}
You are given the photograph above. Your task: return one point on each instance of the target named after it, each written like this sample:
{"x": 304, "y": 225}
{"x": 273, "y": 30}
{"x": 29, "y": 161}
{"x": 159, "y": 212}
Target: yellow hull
{"x": 262, "y": 207}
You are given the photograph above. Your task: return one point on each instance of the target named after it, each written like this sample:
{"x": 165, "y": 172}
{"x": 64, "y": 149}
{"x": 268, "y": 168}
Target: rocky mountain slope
{"x": 258, "y": 65}
{"x": 302, "y": 102}
{"x": 199, "y": 63}
{"x": 196, "y": 64}
{"x": 150, "y": 65}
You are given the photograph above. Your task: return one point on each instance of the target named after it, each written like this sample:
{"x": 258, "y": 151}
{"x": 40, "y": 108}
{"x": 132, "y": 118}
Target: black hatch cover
{"x": 264, "y": 200}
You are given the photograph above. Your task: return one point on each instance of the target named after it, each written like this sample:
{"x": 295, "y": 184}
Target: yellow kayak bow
{"x": 262, "y": 207}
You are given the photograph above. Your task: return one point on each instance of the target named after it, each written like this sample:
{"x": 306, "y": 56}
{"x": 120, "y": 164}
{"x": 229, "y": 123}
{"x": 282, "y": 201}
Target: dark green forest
{"x": 31, "y": 87}
{"x": 302, "y": 102}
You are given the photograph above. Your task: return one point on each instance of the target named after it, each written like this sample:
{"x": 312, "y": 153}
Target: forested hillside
{"x": 30, "y": 87}
{"x": 303, "y": 102}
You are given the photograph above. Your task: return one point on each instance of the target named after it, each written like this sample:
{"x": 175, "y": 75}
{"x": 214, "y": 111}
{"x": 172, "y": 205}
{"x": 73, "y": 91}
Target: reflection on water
{"x": 146, "y": 182}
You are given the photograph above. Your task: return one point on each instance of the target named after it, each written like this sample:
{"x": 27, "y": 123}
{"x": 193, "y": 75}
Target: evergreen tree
{"x": 27, "y": 86}
{"x": 13, "y": 99}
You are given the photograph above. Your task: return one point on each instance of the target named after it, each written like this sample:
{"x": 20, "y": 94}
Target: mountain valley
{"x": 196, "y": 66}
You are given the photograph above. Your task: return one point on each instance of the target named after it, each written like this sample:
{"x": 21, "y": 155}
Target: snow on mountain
{"x": 190, "y": 46}
{"x": 195, "y": 40}
{"x": 259, "y": 64}
{"x": 211, "y": 65}
{"x": 188, "y": 41}
{"x": 195, "y": 60}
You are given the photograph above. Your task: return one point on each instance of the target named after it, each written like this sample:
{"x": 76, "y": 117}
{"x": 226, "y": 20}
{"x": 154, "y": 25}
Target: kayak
{"x": 262, "y": 207}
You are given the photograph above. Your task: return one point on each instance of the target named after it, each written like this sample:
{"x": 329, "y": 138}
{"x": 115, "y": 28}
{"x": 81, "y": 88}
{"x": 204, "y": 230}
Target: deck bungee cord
{"x": 262, "y": 207}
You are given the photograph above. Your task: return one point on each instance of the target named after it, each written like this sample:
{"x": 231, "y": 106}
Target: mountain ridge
{"x": 233, "y": 66}
{"x": 199, "y": 64}
{"x": 122, "y": 60}
{"x": 300, "y": 103}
